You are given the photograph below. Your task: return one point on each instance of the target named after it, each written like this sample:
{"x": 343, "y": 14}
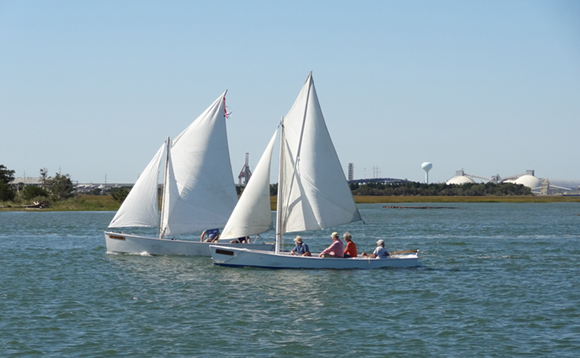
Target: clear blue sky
{"x": 92, "y": 88}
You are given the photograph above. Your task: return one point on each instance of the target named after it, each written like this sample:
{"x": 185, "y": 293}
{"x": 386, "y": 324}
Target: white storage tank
{"x": 530, "y": 181}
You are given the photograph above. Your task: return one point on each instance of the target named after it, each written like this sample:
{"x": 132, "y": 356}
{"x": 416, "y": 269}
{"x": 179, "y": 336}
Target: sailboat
{"x": 199, "y": 193}
{"x": 313, "y": 194}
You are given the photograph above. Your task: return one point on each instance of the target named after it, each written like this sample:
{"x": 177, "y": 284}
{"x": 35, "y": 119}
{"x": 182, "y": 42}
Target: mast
{"x": 279, "y": 234}
{"x": 165, "y": 197}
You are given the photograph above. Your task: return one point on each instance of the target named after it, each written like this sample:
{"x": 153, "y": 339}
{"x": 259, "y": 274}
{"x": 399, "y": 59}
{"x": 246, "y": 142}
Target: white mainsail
{"x": 313, "y": 190}
{"x": 199, "y": 190}
{"x": 203, "y": 173}
{"x": 253, "y": 215}
{"x": 141, "y": 206}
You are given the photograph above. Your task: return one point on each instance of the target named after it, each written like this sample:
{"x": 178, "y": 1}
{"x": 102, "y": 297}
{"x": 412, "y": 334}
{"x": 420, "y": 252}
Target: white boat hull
{"x": 244, "y": 257}
{"x": 133, "y": 244}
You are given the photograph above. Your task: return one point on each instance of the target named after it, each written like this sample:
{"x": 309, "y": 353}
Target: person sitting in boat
{"x": 380, "y": 252}
{"x": 212, "y": 235}
{"x": 336, "y": 249}
{"x": 301, "y": 249}
{"x": 241, "y": 240}
{"x": 350, "y": 250}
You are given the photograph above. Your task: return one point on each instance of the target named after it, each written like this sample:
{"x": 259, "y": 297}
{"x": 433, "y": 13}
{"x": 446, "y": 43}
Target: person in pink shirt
{"x": 336, "y": 249}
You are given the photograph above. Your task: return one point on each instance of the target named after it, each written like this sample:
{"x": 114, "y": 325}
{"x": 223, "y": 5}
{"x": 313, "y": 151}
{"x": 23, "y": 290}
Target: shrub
{"x": 6, "y": 192}
{"x": 119, "y": 194}
{"x": 32, "y": 191}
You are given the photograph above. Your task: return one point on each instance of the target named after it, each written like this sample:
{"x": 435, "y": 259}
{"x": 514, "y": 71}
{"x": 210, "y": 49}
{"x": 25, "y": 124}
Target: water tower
{"x": 426, "y": 167}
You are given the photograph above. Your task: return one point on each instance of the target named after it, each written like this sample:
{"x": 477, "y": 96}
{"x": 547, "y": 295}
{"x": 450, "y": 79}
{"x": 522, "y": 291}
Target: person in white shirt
{"x": 380, "y": 252}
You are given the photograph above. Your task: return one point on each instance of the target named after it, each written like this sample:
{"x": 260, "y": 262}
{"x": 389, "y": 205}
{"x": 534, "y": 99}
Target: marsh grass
{"x": 87, "y": 203}
{"x": 78, "y": 203}
{"x": 454, "y": 199}
{"x": 107, "y": 203}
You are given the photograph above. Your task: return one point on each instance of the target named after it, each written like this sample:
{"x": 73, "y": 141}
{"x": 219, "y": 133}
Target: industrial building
{"x": 539, "y": 186}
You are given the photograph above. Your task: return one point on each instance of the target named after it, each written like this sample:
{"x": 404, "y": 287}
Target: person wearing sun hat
{"x": 301, "y": 249}
{"x": 336, "y": 249}
{"x": 379, "y": 252}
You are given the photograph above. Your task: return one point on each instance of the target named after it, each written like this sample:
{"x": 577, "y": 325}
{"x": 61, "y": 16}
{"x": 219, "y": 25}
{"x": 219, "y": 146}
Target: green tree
{"x": 32, "y": 191}
{"x": 96, "y": 191}
{"x": 60, "y": 187}
{"x": 6, "y": 176}
{"x": 120, "y": 194}
{"x": 43, "y": 176}
{"x": 418, "y": 189}
{"x": 6, "y": 192}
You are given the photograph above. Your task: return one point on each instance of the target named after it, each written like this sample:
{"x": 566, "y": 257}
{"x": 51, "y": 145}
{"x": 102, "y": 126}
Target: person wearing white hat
{"x": 379, "y": 252}
{"x": 301, "y": 249}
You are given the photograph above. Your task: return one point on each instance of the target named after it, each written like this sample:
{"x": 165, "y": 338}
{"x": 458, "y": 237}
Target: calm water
{"x": 498, "y": 280}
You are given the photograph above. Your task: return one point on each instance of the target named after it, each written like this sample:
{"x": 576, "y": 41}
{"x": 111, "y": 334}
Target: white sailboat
{"x": 198, "y": 192}
{"x": 313, "y": 194}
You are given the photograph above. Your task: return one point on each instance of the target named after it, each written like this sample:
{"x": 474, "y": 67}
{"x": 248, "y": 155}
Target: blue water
{"x": 499, "y": 280}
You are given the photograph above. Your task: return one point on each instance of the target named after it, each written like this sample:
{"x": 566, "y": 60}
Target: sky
{"x": 93, "y": 88}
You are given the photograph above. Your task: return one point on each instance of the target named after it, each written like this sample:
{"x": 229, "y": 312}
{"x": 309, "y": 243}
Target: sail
{"x": 315, "y": 193}
{"x": 170, "y": 192}
{"x": 203, "y": 173}
{"x": 141, "y": 206}
{"x": 253, "y": 214}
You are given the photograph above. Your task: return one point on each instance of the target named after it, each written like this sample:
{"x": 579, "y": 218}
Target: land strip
{"x": 107, "y": 203}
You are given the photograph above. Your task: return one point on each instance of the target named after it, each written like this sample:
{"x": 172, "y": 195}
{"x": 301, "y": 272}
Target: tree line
{"x": 60, "y": 187}
{"x": 55, "y": 188}
{"x": 440, "y": 189}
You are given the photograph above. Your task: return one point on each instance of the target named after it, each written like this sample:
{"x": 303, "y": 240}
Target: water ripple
{"x": 498, "y": 280}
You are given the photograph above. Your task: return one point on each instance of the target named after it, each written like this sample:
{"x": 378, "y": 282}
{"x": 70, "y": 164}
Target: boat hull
{"x": 244, "y": 257}
{"x": 134, "y": 244}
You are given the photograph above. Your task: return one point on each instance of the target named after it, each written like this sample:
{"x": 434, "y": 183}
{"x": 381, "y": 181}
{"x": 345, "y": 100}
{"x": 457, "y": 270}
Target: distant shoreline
{"x": 107, "y": 203}
{"x": 455, "y": 199}
{"x": 464, "y": 199}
